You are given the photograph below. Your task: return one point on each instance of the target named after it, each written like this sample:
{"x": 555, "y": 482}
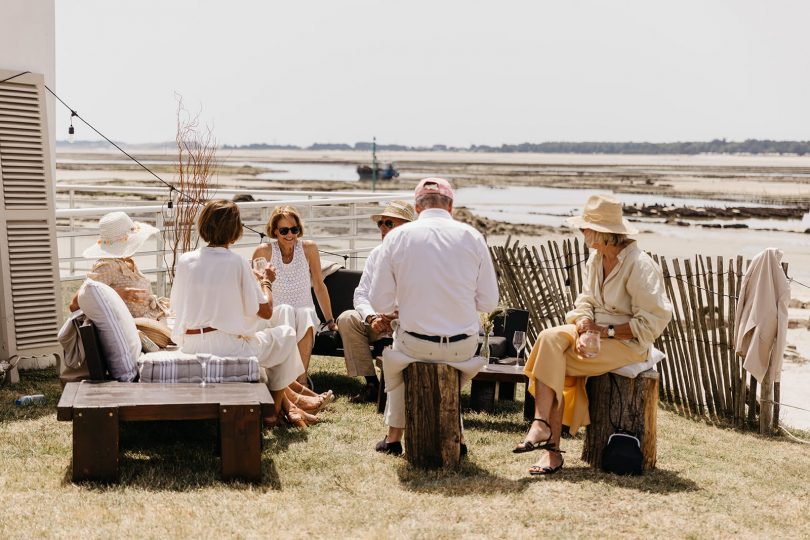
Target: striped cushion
{"x": 178, "y": 367}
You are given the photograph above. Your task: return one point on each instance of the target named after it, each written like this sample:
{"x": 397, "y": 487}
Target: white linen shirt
{"x": 632, "y": 293}
{"x": 361, "y": 302}
{"x": 438, "y": 273}
{"x": 214, "y": 287}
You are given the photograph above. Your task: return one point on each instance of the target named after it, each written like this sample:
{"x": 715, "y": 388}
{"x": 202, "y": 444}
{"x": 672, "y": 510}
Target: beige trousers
{"x": 356, "y": 336}
{"x": 408, "y": 349}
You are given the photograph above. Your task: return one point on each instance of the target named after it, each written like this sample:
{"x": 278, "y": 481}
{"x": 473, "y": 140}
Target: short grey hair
{"x": 434, "y": 200}
{"x": 608, "y": 239}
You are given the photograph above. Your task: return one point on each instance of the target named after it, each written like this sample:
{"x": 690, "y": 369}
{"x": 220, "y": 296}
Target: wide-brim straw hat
{"x": 158, "y": 332}
{"x": 396, "y": 209}
{"x": 603, "y": 213}
{"x": 119, "y": 237}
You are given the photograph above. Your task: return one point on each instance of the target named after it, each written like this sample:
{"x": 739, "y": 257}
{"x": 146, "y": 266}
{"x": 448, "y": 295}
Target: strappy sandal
{"x": 543, "y": 470}
{"x": 294, "y": 418}
{"x": 529, "y": 446}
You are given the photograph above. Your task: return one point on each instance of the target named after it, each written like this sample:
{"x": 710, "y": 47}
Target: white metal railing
{"x": 338, "y": 221}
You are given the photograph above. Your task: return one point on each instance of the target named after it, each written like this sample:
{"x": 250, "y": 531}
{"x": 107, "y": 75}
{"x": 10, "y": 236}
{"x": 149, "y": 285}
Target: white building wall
{"x": 28, "y": 43}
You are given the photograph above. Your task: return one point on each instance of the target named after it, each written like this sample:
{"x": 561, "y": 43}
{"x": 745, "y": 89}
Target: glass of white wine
{"x": 519, "y": 341}
{"x": 260, "y": 264}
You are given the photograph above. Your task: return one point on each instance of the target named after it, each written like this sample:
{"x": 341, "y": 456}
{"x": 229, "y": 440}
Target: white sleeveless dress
{"x": 292, "y": 293}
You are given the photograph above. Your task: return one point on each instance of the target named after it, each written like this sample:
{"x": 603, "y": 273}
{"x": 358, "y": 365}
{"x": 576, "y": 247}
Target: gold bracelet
{"x": 267, "y": 283}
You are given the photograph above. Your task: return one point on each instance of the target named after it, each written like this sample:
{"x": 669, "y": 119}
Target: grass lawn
{"x": 327, "y": 481}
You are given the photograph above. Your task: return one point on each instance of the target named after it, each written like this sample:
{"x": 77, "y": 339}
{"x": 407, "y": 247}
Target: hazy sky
{"x": 455, "y": 72}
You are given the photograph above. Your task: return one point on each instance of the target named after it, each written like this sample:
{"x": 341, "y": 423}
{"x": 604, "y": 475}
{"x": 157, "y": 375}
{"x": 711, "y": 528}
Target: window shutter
{"x": 31, "y": 292}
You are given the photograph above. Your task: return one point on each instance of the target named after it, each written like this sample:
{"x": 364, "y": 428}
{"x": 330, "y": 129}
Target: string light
{"x": 71, "y": 130}
{"x": 169, "y": 213}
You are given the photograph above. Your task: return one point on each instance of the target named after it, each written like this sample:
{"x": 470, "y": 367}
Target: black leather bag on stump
{"x": 622, "y": 454}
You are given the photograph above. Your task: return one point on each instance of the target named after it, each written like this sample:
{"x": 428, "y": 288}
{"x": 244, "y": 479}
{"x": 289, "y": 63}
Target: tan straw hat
{"x": 603, "y": 213}
{"x": 119, "y": 237}
{"x": 158, "y": 332}
{"x": 396, "y": 209}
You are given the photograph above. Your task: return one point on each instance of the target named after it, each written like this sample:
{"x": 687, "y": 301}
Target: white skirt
{"x": 301, "y": 319}
{"x": 276, "y": 348}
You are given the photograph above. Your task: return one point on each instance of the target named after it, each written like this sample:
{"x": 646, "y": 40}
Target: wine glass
{"x": 203, "y": 362}
{"x": 519, "y": 341}
{"x": 260, "y": 264}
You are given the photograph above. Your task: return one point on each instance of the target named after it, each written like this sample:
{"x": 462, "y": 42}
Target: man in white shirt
{"x": 362, "y": 325}
{"x": 438, "y": 273}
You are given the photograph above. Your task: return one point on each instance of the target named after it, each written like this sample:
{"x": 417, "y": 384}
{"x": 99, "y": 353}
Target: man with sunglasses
{"x": 438, "y": 274}
{"x": 362, "y": 325}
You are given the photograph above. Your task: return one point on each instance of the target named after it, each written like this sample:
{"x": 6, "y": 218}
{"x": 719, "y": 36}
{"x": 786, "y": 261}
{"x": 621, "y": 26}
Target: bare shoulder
{"x": 263, "y": 250}
{"x": 309, "y": 246}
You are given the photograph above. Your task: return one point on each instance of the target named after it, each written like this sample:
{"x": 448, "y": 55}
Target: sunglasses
{"x": 388, "y": 223}
{"x": 284, "y": 230}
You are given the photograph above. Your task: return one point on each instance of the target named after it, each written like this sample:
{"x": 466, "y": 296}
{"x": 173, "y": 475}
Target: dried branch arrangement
{"x": 196, "y": 163}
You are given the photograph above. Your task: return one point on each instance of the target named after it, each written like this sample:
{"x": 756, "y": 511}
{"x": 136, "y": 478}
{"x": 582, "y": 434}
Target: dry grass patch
{"x": 327, "y": 481}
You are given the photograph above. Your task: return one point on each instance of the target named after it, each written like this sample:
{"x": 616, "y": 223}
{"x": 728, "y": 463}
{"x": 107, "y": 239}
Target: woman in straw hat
{"x": 623, "y": 307}
{"x": 119, "y": 239}
{"x": 297, "y": 267}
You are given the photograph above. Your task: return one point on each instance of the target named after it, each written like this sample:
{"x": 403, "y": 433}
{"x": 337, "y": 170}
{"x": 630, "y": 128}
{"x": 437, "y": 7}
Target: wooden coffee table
{"x": 97, "y": 408}
{"x": 498, "y": 380}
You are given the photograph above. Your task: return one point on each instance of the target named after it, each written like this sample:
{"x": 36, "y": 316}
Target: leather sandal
{"x": 294, "y": 418}
{"x": 529, "y": 446}
{"x": 543, "y": 470}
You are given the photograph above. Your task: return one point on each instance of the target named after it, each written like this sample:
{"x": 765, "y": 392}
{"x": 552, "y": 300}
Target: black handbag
{"x": 622, "y": 454}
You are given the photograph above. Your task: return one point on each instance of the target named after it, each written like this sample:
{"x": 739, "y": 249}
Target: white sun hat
{"x": 119, "y": 237}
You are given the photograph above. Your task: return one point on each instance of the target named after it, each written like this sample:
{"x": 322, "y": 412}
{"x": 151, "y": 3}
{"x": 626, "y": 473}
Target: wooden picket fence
{"x": 702, "y": 377}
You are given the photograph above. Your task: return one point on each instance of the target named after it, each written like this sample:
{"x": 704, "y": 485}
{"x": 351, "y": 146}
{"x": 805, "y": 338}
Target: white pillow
{"x": 634, "y": 370}
{"x": 117, "y": 333}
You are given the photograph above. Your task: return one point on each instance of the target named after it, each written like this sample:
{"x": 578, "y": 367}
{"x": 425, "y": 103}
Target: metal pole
{"x": 353, "y": 237}
{"x": 374, "y": 164}
{"x": 159, "y": 248}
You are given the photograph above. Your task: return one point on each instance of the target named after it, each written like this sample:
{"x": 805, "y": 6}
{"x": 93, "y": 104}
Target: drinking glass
{"x": 260, "y": 264}
{"x": 519, "y": 341}
{"x": 591, "y": 342}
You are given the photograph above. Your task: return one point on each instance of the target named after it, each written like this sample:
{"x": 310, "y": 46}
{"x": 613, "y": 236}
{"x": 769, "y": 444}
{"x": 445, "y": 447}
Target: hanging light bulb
{"x": 169, "y": 213}
{"x": 71, "y": 130}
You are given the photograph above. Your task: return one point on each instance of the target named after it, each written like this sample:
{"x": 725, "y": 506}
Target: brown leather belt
{"x": 200, "y": 330}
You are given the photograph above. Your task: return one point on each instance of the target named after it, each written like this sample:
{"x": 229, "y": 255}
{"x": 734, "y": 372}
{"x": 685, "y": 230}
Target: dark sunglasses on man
{"x": 388, "y": 223}
{"x": 285, "y": 230}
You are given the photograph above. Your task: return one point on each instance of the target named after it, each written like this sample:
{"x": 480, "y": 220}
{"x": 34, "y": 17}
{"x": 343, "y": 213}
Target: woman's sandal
{"x": 542, "y": 470}
{"x": 529, "y": 446}
{"x": 294, "y": 418}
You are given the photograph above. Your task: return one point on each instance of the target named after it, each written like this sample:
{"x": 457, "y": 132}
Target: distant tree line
{"x": 716, "y": 146}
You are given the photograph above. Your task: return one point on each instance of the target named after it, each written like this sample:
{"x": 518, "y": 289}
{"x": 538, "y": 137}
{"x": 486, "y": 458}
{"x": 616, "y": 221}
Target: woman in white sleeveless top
{"x": 297, "y": 267}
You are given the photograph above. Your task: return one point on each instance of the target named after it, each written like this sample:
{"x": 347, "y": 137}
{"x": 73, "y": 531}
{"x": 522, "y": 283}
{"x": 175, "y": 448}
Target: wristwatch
{"x": 611, "y": 331}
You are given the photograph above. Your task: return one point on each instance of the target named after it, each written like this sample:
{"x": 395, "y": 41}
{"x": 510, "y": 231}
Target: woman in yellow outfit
{"x": 623, "y": 299}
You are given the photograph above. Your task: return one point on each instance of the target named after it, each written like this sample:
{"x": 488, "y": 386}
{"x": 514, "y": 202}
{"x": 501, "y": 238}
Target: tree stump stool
{"x": 433, "y": 415}
{"x": 639, "y": 397}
